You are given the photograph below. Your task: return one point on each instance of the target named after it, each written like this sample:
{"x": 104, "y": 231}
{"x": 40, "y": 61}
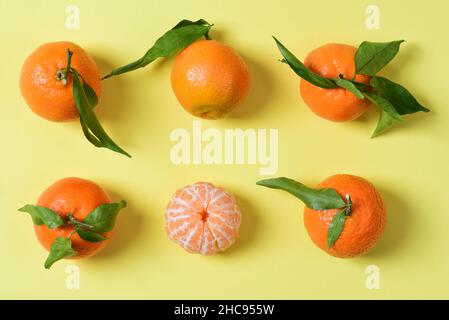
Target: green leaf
{"x": 351, "y": 87}
{"x": 363, "y": 87}
{"x": 89, "y": 136}
{"x": 43, "y": 216}
{"x": 385, "y": 105}
{"x": 90, "y": 236}
{"x": 92, "y": 128}
{"x": 301, "y": 70}
{"x": 102, "y": 218}
{"x": 91, "y": 96}
{"x": 385, "y": 121}
{"x": 402, "y": 100}
{"x": 186, "y": 22}
{"x": 61, "y": 248}
{"x": 179, "y": 37}
{"x": 371, "y": 57}
{"x": 335, "y": 228}
{"x": 316, "y": 199}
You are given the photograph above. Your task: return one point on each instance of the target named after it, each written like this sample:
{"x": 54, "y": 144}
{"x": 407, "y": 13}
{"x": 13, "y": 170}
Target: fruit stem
{"x": 348, "y": 206}
{"x": 206, "y": 35}
{"x": 72, "y": 221}
{"x": 62, "y": 74}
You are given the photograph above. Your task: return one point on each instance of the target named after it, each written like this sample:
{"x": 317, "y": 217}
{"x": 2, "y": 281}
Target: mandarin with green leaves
{"x": 61, "y": 82}
{"x": 47, "y": 86}
{"x": 344, "y": 215}
{"x": 363, "y": 226}
{"x": 334, "y": 61}
{"x": 73, "y": 218}
{"x": 339, "y": 82}
{"x": 209, "y": 78}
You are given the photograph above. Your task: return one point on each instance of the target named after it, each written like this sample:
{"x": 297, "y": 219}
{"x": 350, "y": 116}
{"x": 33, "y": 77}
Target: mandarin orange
{"x": 362, "y": 229}
{"x": 42, "y": 86}
{"x": 336, "y": 104}
{"x": 209, "y": 79}
{"x": 203, "y": 218}
{"x": 76, "y": 197}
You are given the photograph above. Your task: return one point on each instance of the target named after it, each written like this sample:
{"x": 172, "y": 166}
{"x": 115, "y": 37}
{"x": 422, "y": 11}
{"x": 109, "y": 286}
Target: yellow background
{"x": 274, "y": 258}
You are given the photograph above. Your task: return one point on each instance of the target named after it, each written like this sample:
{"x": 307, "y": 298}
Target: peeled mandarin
{"x": 203, "y": 218}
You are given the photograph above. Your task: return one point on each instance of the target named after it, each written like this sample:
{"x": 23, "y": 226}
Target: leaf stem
{"x": 72, "y": 233}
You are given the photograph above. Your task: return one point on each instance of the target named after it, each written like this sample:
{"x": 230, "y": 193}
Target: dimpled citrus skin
{"x": 209, "y": 79}
{"x": 77, "y": 197}
{"x": 203, "y": 218}
{"x": 362, "y": 229}
{"x": 44, "y": 94}
{"x": 337, "y": 104}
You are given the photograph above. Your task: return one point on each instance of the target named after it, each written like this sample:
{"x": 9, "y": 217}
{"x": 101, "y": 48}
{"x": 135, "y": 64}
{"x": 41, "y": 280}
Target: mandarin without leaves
{"x": 203, "y": 218}
{"x": 209, "y": 79}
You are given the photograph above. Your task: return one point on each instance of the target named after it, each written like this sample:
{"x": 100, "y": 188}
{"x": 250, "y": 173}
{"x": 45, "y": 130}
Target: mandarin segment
{"x": 203, "y": 218}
